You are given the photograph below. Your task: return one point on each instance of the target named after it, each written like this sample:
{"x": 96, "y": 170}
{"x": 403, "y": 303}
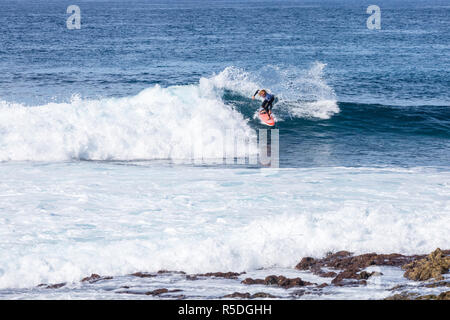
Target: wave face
{"x": 158, "y": 123}
{"x": 193, "y": 121}
{"x": 189, "y": 122}
{"x": 300, "y": 93}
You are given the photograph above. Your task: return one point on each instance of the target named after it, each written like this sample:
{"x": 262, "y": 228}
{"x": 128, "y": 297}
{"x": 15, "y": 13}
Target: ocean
{"x": 113, "y": 140}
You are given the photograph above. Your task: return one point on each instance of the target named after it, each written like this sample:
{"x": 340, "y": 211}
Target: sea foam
{"x": 158, "y": 123}
{"x": 61, "y": 222}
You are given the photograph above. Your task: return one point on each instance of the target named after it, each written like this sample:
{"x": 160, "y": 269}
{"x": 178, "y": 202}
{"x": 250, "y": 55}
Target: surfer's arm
{"x": 253, "y": 98}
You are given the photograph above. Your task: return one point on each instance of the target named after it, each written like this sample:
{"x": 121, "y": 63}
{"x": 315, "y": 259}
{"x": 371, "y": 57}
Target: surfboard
{"x": 265, "y": 118}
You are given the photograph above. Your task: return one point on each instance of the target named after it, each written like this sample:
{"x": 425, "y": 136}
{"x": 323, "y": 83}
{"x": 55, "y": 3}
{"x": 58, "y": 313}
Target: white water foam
{"x": 308, "y": 94}
{"x": 159, "y": 123}
{"x": 63, "y": 221}
{"x": 300, "y": 93}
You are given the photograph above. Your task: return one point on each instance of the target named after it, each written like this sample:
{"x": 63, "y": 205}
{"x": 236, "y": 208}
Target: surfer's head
{"x": 262, "y": 93}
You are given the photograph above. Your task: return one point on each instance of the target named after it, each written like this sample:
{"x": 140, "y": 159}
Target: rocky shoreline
{"x": 343, "y": 269}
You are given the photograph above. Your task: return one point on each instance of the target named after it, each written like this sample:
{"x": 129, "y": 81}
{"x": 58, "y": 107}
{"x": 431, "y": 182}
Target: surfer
{"x": 267, "y": 104}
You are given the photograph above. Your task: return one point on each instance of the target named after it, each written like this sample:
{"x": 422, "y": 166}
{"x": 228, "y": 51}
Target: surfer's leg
{"x": 270, "y": 106}
{"x": 265, "y": 106}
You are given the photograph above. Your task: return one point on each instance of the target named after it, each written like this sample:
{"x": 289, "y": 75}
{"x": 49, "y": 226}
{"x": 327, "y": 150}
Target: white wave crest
{"x": 158, "y": 123}
{"x": 300, "y": 93}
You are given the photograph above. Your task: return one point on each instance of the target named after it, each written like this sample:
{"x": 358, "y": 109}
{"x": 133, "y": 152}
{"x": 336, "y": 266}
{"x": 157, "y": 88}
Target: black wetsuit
{"x": 267, "y": 104}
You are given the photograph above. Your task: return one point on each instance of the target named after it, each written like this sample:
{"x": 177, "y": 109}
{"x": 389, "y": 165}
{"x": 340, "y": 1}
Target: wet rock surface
{"x": 415, "y": 296}
{"x": 279, "y": 281}
{"x": 431, "y": 267}
{"x": 95, "y": 278}
{"x": 143, "y": 275}
{"x": 251, "y": 281}
{"x": 246, "y": 295}
{"x": 225, "y": 275}
{"x": 402, "y": 296}
{"x": 346, "y": 261}
{"x": 343, "y": 267}
{"x": 350, "y": 268}
{"x": 405, "y": 287}
{"x": 170, "y": 272}
{"x": 52, "y": 286}
{"x": 438, "y": 284}
{"x": 155, "y": 292}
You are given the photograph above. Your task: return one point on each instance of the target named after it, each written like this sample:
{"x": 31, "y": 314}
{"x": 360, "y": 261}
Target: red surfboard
{"x": 270, "y": 121}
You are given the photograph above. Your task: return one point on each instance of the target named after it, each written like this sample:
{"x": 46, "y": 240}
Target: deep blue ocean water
{"x": 391, "y": 85}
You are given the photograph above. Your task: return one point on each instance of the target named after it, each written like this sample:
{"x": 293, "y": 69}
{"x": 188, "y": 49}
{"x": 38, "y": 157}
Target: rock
{"x": 438, "y": 284}
{"x": 365, "y": 275}
{"x": 352, "y": 267}
{"x": 94, "y": 278}
{"x": 240, "y": 295}
{"x": 247, "y": 295}
{"x": 323, "y": 274}
{"x": 433, "y": 266}
{"x": 444, "y": 296}
{"x": 426, "y": 297}
{"x": 415, "y": 296}
{"x": 52, "y": 286}
{"x": 250, "y": 281}
{"x": 347, "y": 274}
{"x": 344, "y": 260}
{"x": 323, "y": 285}
{"x": 262, "y": 295}
{"x": 158, "y": 292}
{"x": 56, "y": 286}
{"x": 143, "y": 275}
{"x": 272, "y": 280}
{"x": 402, "y": 296}
{"x": 280, "y": 281}
{"x": 286, "y": 283}
{"x": 398, "y": 287}
{"x": 167, "y": 271}
{"x": 306, "y": 263}
{"x": 339, "y": 254}
{"x": 319, "y": 272}
{"x": 351, "y": 274}
{"x": 365, "y": 260}
{"x": 226, "y": 275}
